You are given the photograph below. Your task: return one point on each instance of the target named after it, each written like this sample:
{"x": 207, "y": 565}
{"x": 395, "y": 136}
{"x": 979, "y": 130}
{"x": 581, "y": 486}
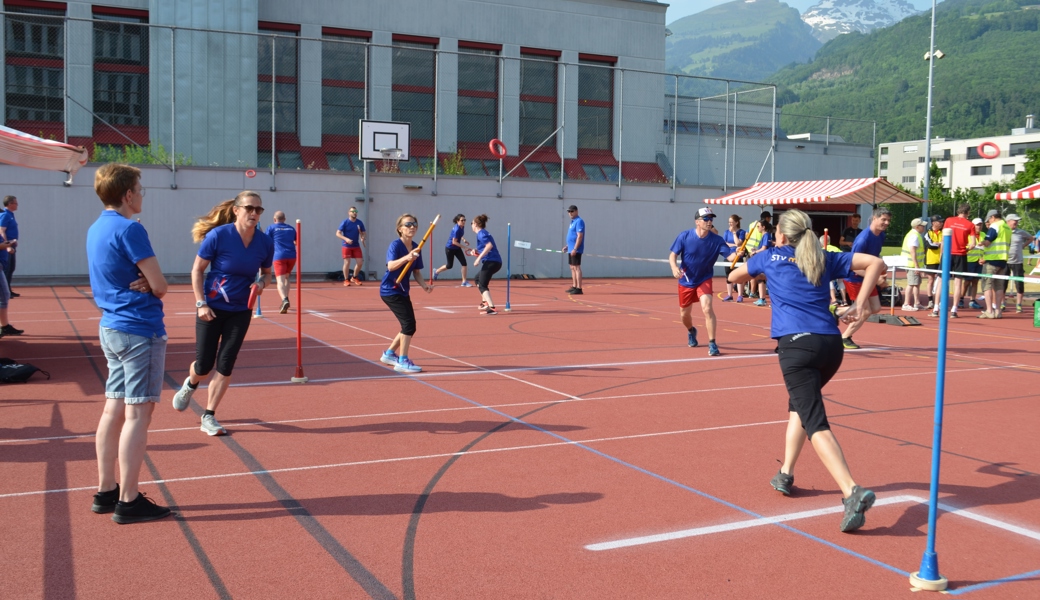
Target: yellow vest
{"x": 998, "y": 248}
{"x": 910, "y": 252}
{"x": 975, "y": 254}
{"x": 934, "y": 256}
{"x": 754, "y": 237}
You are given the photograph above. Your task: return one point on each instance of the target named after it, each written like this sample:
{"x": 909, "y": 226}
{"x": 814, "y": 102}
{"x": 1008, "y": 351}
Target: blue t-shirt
{"x": 7, "y": 220}
{"x": 577, "y": 226}
{"x": 232, "y": 266}
{"x": 734, "y": 239}
{"x": 766, "y": 241}
{"x": 115, "y": 245}
{"x": 867, "y": 243}
{"x": 352, "y": 230}
{"x": 799, "y": 306}
{"x": 284, "y": 237}
{"x": 389, "y": 286}
{"x": 483, "y": 239}
{"x": 456, "y": 236}
{"x": 697, "y": 256}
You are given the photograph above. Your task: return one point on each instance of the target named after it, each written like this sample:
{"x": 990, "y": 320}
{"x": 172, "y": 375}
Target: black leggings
{"x": 808, "y": 361}
{"x": 401, "y": 306}
{"x": 452, "y": 253}
{"x": 220, "y": 340}
{"x": 484, "y": 276}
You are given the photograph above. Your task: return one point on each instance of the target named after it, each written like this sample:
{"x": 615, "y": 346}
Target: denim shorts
{"x": 135, "y": 365}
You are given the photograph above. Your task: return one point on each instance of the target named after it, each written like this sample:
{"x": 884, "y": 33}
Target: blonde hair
{"x": 112, "y": 182}
{"x": 797, "y": 228}
{"x": 402, "y": 218}
{"x": 221, "y": 214}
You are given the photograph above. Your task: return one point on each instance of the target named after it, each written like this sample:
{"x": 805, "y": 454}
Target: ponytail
{"x": 797, "y": 228}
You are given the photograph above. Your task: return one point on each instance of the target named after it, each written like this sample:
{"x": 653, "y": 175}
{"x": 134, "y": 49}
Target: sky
{"x": 678, "y": 9}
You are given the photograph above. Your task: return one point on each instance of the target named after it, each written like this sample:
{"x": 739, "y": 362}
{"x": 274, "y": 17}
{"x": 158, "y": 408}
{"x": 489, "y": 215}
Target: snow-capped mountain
{"x": 831, "y": 18}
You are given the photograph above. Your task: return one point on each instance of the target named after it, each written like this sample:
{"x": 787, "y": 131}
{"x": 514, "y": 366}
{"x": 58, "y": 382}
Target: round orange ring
{"x": 498, "y": 149}
{"x": 990, "y": 155}
{"x": 250, "y": 173}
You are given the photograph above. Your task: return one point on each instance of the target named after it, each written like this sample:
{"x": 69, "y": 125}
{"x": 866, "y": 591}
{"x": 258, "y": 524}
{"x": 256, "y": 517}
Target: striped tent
{"x": 872, "y": 190}
{"x": 24, "y": 150}
{"x": 1027, "y": 193}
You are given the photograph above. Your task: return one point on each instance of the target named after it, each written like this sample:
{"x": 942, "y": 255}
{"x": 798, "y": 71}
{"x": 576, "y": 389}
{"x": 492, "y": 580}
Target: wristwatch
{"x": 200, "y": 304}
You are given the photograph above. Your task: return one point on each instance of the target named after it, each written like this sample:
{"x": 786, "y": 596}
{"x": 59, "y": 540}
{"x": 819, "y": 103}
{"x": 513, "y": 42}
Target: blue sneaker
{"x": 713, "y": 349}
{"x": 388, "y": 358}
{"x": 405, "y": 365}
{"x": 692, "y": 338}
{"x": 975, "y": 305}
{"x": 740, "y": 298}
{"x": 436, "y": 275}
{"x": 466, "y": 284}
{"x": 760, "y": 302}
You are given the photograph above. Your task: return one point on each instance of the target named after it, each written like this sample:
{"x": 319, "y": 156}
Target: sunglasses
{"x": 253, "y": 209}
{"x": 709, "y": 219}
{"x": 409, "y": 224}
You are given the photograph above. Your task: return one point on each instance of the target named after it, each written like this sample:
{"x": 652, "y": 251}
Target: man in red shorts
{"x": 696, "y": 249}
{"x": 869, "y": 241}
{"x": 284, "y": 237}
{"x": 352, "y": 232}
{"x": 962, "y": 229}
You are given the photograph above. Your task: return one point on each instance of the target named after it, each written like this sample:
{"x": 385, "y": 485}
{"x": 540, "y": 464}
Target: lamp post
{"x": 928, "y": 56}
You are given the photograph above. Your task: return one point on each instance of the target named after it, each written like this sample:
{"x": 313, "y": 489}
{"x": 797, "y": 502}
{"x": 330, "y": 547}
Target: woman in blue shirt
{"x": 234, "y": 250}
{"x": 810, "y": 345}
{"x": 396, "y": 295}
{"x": 454, "y": 249}
{"x": 486, "y": 251}
{"x": 734, "y": 237}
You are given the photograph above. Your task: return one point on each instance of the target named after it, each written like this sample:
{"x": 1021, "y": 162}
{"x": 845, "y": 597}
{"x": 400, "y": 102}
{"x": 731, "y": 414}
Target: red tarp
{"x": 872, "y": 190}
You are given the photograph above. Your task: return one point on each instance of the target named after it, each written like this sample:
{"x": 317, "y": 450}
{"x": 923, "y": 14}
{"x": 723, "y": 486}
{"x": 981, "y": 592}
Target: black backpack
{"x": 12, "y": 372}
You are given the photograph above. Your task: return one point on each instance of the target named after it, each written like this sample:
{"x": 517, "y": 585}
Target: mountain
{"x": 831, "y": 18}
{"x": 745, "y": 39}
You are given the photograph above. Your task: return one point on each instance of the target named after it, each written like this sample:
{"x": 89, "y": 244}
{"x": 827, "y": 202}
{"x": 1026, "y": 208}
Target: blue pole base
{"x": 928, "y": 578}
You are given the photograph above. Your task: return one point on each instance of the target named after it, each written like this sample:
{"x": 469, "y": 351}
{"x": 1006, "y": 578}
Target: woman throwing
{"x": 401, "y": 253}
{"x": 454, "y": 249}
{"x": 486, "y": 251}
{"x": 810, "y": 345}
{"x": 234, "y": 250}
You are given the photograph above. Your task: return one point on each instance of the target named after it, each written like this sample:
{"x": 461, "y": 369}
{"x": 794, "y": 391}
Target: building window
{"x": 884, "y": 165}
{"x": 909, "y": 149}
{"x": 538, "y": 75}
{"x": 973, "y": 152}
{"x": 1007, "y": 169}
{"x": 543, "y": 170}
{"x": 1020, "y": 149}
{"x": 942, "y": 172}
{"x": 595, "y": 104}
{"x": 909, "y": 178}
{"x": 987, "y": 170}
{"x": 34, "y": 69}
{"x": 276, "y": 68}
{"x": 343, "y": 61}
{"x": 884, "y": 151}
{"x": 909, "y": 164}
{"x": 478, "y": 95}
{"x": 121, "y": 69}
{"x": 412, "y": 98}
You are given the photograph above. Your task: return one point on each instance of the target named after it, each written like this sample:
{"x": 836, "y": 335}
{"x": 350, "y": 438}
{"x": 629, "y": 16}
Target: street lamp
{"x": 937, "y": 54}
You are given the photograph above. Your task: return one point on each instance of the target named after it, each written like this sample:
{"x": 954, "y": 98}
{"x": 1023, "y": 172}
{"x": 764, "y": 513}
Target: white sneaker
{"x": 910, "y": 308}
{"x": 211, "y": 426}
{"x": 183, "y": 395}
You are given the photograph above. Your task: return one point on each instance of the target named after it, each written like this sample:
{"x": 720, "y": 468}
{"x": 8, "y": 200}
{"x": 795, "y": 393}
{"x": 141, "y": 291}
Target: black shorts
{"x": 574, "y": 260}
{"x": 218, "y": 341}
{"x": 934, "y": 267}
{"x": 808, "y": 361}
{"x": 1018, "y": 270}
{"x": 975, "y": 267}
{"x": 487, "y": 269}
{"x": 959, "y": 264}
{"x": 401, "y": 306}
{"x": 452, "y": 253}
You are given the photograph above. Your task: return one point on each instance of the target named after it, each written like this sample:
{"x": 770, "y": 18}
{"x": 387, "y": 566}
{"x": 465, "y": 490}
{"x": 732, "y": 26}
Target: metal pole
{"x": 621, "y": 130}
{"x": 725, "y": 144}
{"x": 561, "y": 141}
{"x": 173, "y": 106}
{"x": 65, "y": 80}
{"x": 733, "y": 175}
{"x": 772, "y": 141}
{"x": 299, "y": 377}
{"x": 436, "y": 106}
{"x": 928, "y": 121}
{"x": 509, "y": 260}
{"x": 501, "y": 107}
{"x": 699, "y": 141}
{"x": 827, "y": 134}
{"x": 274, "y": 153}
{"x": 675, "y": 138}
{"x": 364, "y": 163}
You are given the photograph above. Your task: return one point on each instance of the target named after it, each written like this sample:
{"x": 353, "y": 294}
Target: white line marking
{"x": 443, "y": 310}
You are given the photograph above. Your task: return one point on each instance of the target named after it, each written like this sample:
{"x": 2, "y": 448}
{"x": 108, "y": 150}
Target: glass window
{"x": 537, "y": 99}
{"x": 478, "y": 70}
{"x": 413, "y": 64}
{"x": 987, "y": 170}
{"x": 594, "y": 126}
{"x": 35, "y": 93}
{"x": 909, "y": 164}
{"x": 121, "y": 40}
{"x": 973, "y": 152}
{"x": 884, "y": 151}
{"x": 474, "y": 167}
{"x": 477, "y": 119}
{"x": 121, "y": 69}
{"x": 412, "y": 95}
{"x": 1007, "y": 169}
{"x": 417, "y": 109}
{"x": 884, "y": 165}
{"x": 121, "y": 98}
{"x": 341, "y": 109}
{"x": 283, "y": 44}
{"x": 343, "y": 58}
{"x": 343, "y": 84}
{"x": 263, "y": 160}
{"x": 611, "y": 171}
{"x": 594, "y": 173}
{"x": 284, "y": 107}
{"x": 290, "y": 160}
{"x": 478, "y": 95}
{"x": 909, "y": 149}
{"x": 344, "y": 162}
{"x": 41, "y": 36}
{"x": 1020, "y": 149}
{"x": 909, "y": 178}
{"x": 595, "y": 105}
{"x": 942, "y": 172}
{"x": 276, "y": 81}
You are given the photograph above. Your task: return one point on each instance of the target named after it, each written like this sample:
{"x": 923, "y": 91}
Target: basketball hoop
{"x": 391, "y": 158}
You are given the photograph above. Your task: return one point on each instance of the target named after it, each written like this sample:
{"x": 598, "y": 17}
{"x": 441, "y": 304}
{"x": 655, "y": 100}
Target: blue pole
{"x": 928, "y": 577}
{"x": 509, "y": 257}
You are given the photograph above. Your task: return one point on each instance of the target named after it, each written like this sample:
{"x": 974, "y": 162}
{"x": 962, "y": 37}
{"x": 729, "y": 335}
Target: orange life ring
{"x": 990, "y": 155}
{"x": 250, "y": 173}
{"x": 498, "y": 149}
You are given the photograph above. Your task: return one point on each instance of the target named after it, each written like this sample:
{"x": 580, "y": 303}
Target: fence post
{"x": 621, "y": 129}
{"x": 173, "y": 106}
{"x": 274, "y": 93}
{"x": 436, "y": 108}
{"x": 675, "y": 137}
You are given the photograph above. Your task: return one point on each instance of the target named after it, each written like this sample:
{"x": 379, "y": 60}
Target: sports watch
{"x": 200, "y": 304}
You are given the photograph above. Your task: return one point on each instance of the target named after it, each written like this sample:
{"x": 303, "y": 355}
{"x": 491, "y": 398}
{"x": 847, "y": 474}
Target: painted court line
{"x": 443, "y": 310}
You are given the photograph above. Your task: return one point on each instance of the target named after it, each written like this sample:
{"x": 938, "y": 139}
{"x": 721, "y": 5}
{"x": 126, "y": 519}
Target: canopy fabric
{"x": 24, "y": 150}
{"x": 872, "y": 190}
{"x": 1031, "y": 192}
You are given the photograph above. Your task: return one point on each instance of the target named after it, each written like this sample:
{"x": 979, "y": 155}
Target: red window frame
{"x": 51, "y": 129}
{"x": 420, "y": 147}
{"x": 284, "y": 141}
{"x": 103, "y": 134}
{"x": 539, "y": 54}
{"x": 604, "y": 61}
{"x": 335, "y": 143}
{"x": 493, "y": 95}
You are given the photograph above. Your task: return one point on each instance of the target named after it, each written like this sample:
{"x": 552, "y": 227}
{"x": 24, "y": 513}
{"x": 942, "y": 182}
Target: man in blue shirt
{"x": 697, "y": 249}
{"x": 9, "y": 233}
{"x": 574, "y": 248}
{"x": 352, "y": 232}
{"x": 869, "y": 241}
{"x": 284, "y": 237}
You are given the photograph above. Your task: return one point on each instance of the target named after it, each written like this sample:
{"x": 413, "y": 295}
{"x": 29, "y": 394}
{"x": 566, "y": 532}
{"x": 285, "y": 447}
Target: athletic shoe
{"x": 483, "y": 306}
{"x": 740, "y": 299}
{"x": 782, "y": 483}
{"x": 760, "y": 302}
{"x": 691, "y": 338}
{"x": 1018, "y": 308}
{"x": 354, "y": 281}
{"x": 987, "y": 315}
{"x": 466, "y": 284}
{"x": 10, "y": 330}
{"x": 713, "y": 349}
{"x": 858, "y": 502}
{"x": 211, "y": 426}
{"x": 15, "y": 295}
{"x": 405, "y": 365}
{"x": 960, "y": 303}
{"x": 834, "y": 313}
{"x": 285, "y": 306}
{"x": 727, "y": 298}
{"x": 141, "y": 509}
{"x": 909, "y": 308}
{"x": 183, "y": 395}
{"x": 388, "y": 358}
{"x": 346, "y": 283}
{"x": 931, "y": 304}
{"x": 570, "y": 290}
{"x": 974, "y": 304}
{"x": 934, "y": 313}
{"x": 490, "y": 311}
{"x": 436, "y": 275}
{"x": 577, "y": 292}
{"x": 954, "y": 315}
{"x": 105, "y": 502}
{"x": 849, "y": 344}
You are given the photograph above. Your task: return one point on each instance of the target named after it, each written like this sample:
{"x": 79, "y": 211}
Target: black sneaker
{"x": 285, "y": 306}
{"x": 849, "y": 344}
{"x": 105, "y": 502}
{"x": 490, "y": 311}
{"x": 782, "y": 483}
{"x": 483, "y": 307}
{"x": 577, "y": 292}
{"x": 858, "y": 502}
{"x": 140, "y": 510}
{"x": 14, "y": 295}
{"x": 10, "y": 330}
{"x": 570, "y": 290}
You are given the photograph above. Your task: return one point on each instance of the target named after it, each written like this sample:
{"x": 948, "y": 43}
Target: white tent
{"x": 1031, "y": 192}
{"x": 871, "y": 190}
{"x": 24, "y": 150}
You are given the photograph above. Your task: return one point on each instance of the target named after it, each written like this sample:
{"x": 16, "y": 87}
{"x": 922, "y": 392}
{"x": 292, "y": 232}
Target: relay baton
{"x": 408, "y": 267}
{"x": 254, "y": 291}
{"x": 747, "y": 236}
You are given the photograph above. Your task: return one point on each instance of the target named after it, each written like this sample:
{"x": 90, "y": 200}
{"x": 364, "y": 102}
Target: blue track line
{"x": 995, "y": 582}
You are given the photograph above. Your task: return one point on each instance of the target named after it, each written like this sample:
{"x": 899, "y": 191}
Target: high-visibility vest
{"x": 998, "y": 248}
{"x": 912, "y": 252}
{"x": 934, "y": 255}
{"x": 753, "y": 238}
{"x": 975, "y": 254}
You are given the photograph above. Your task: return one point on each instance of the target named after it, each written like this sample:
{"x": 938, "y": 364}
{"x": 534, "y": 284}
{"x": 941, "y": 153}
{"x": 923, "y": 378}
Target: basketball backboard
{"x": 382, "y": 135}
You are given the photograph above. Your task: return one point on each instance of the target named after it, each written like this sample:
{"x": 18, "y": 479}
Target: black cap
{"x": 937, "y": 218}
{"x": 765, "y": 215}
{"x": 572, "y": 208}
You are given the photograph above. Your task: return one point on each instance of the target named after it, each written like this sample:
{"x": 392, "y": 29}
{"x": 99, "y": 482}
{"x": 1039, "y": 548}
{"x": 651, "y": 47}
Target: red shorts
{"x": 688, "y": 296}
{"x": 283, "y": 266}
{"x": 852, "y": 289}
{"x": 352, "y": 253}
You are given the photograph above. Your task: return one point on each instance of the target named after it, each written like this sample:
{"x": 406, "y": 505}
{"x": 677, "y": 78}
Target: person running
{"x": 734, "y": 237}
{"x": 574, "y": 248}
{"x": 234, "y": 250}
{"x": 400, "y": 254}
{"x": 486, "y": 251}
{"x": 128, "y": 286}
{"x": 869, "y": 241}
{"x": 352, "y": 232}
{"x": 961, "y": 230}
{"x": 284, "y": 237}
{"x": 810, "y": 347}
{"x": 914, "y": 252}
{"x": 455, "y": 249}
{"x": 697, "y": 250}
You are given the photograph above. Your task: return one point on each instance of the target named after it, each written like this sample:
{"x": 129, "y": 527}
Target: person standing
{"x": 284, "y": 237}
{"x": 869, "y": 241}
{"x": 352, "y": 232}
{"x": 994, "y": 262}
{"x": 697, "y": 250}
{"x": 810, "y": 348}
{"x": 128, "y": 286}
{"x": 1020, "y": 238}
{"x": 233, "y": 249}
{"x": 486, "y": 251}
{"x": 914, "y": 253}
{"x": 974, "y": 262}
{"x": 9, "y": 234}
{"x": 5, "y": 296}
{"x": 933, "y": 257}
{"x": 402, "y": 252}
{"x": 734, "y": 237}
{"x": 849, "y": 234}
{"x": 574, "y": 248}
{"x": 455, "y": 249}
{"x": 961, "y": 230}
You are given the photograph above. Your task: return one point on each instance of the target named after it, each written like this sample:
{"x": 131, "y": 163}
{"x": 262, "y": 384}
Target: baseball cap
{"x": 705, "y": 213}
{"x": 977, "y": 221}
{"x": 572, "y": 208}
{"x": 765, "y": 215}
{"x": 937, "y": 218}
{"x": 917, "y": 222}
{"x": 992, "y": 213}
{"x": 1012, "y": 217}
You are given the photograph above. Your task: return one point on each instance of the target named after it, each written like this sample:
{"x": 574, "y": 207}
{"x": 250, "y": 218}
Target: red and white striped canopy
{"x": 24, "y": 150}
{"x": 1027, "y": 193}
{"x": 872, "y": 190}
